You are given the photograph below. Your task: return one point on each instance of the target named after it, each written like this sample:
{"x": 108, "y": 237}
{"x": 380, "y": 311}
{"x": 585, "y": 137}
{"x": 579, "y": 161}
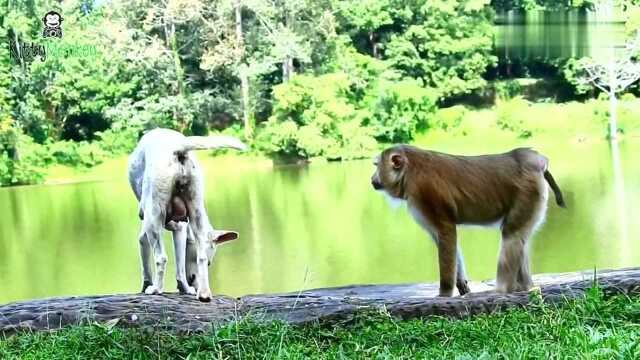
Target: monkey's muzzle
{"x": 376, "y": 184}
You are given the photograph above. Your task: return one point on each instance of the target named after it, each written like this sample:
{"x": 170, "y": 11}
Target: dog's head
{"x": 215, "y": 238}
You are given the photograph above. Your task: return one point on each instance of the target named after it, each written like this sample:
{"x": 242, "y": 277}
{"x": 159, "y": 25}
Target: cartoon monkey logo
{"x": 52, "y": 25}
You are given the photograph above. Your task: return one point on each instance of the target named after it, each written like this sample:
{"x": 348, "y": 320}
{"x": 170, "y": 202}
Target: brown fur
{"x": 176, "y": 211}
{"x": 447, "y": 190}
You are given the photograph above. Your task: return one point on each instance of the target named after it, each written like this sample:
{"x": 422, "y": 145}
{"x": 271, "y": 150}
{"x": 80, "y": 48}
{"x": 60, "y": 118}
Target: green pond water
{"x": 306, "y": 227}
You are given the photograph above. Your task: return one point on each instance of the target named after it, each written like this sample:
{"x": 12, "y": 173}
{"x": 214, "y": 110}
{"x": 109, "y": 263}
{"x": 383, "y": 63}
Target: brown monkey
{"x": 444, "y": 190}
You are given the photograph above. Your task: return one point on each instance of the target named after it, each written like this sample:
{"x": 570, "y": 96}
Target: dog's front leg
{"x": 191, "y": 263}
{"x": 179, "y": 230}
{"x": 204, "y": 292}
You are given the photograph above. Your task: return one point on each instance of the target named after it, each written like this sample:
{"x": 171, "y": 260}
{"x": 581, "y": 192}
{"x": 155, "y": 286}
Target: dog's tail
{"x": 211, "y": 142}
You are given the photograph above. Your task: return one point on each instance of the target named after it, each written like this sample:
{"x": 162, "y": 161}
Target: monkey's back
{"x": 477, "y": 189}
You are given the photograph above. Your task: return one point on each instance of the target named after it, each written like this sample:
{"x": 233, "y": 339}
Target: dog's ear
{"x": 222, "y": 236}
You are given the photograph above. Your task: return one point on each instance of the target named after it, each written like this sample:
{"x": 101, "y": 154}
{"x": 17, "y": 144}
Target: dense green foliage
{"x": 297, "y": 79}
{"x": 595, "y": 327}
{"x": 325, "y": 79}
{"x": 312, "y": 116}
{"x": 340, "y": 115}
{"x": 446, "y": 44}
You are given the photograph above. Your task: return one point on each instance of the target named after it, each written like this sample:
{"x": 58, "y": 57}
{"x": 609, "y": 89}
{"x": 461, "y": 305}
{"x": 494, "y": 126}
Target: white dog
{"x": 166, "y": 179}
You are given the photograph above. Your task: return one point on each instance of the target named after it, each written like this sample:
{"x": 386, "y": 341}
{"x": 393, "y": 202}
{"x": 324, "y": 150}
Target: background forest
{"x": 293, "y": 78}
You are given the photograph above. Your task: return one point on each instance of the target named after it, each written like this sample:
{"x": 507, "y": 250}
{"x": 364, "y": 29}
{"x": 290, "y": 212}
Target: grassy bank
{"x": 517, "y": 122}
{"x": 594, "y": 327}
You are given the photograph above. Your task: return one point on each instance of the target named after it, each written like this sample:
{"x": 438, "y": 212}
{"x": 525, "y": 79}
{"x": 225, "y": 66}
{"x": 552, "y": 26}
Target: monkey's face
{"x": 52, "y": 20}
{"x": 389, "y": 174}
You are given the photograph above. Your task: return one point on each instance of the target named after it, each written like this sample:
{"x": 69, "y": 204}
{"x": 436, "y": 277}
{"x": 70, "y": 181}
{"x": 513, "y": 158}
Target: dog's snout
{"x": 376, "y": 184}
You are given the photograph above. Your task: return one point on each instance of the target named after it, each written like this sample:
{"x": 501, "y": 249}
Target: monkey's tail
{"x": 211, "y": 142}
{"x": 556, "y": 189}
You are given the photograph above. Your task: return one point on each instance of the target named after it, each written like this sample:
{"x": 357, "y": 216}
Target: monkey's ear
{"x": 397, "y": 161}
{"x": 222, "y": 236}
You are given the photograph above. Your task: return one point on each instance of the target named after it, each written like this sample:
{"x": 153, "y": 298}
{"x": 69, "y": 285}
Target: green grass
{"x": 595, "y": 327}
{"x": 546, "y": 123}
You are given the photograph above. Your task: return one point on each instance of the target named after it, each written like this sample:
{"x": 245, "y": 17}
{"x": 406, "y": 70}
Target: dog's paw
{"x": 145, "y": 285}
{"x": 204, "y": 295}
{"x": 153, "y": 290}
{"x": 186, "y": 289}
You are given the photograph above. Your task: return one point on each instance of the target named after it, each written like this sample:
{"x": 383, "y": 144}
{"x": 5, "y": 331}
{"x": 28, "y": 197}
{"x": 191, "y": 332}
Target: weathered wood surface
{"x": 186, "y": 313}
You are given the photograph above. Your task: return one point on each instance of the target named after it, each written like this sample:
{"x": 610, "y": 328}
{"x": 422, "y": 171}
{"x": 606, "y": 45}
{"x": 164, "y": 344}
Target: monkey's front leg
{"x": 447, "y": 249}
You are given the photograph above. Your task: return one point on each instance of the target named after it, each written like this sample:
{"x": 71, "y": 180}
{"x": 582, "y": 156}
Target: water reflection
{"x": 620, "y": 203}
{"x": 307, "y": 227}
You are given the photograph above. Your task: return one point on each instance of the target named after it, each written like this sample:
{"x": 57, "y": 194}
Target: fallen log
{"x": 186, "y": 313}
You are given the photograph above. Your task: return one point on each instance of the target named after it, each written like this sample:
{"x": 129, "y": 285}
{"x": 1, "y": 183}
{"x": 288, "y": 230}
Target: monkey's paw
{"x": 463, "y": 287}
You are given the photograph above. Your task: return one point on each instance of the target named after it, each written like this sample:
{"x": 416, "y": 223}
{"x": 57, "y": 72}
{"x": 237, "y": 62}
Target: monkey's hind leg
{"x": 513, "y": 262}
{"x": 510, "y": 260}
{"x": 524, "y": 280}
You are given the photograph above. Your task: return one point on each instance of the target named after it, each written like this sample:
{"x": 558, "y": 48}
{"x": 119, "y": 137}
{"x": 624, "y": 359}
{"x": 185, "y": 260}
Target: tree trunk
{"x": 287, "y": 69}
{"x": 186, "y": 313}
{"x": 374, "y": 44}
{"x": 287, "y": 63}
{"x": 613, "y": 125}
{"x": 18, "y": 50}
{"x": 170, "y": 35}
{"x": 244, "y": 81}
{"x": 246, "y": 119}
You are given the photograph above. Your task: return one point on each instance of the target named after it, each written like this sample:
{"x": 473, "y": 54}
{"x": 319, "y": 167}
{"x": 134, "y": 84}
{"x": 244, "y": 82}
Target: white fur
{"x": 154, "y": 172}
{"x": 422, "y": 221}
{"x": 394, "y": 202}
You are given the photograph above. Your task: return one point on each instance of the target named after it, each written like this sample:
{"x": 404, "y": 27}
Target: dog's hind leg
{"x": 179, "y": 231}
{"x": 153, "y": 225}
{"x": 145, "y": 252}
